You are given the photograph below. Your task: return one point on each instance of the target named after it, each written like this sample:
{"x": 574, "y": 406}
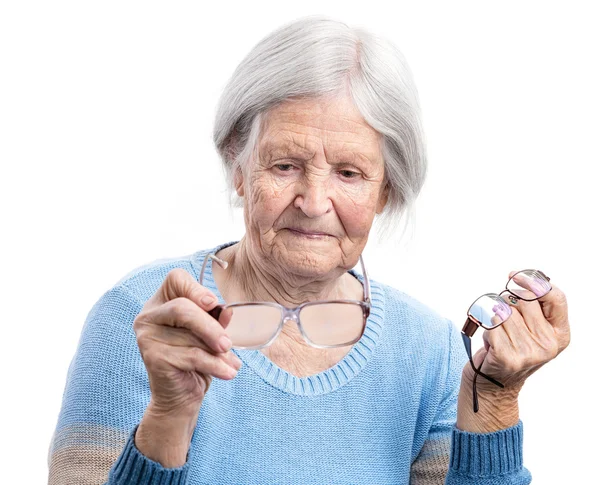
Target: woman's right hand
{"x": 182, "y": 348}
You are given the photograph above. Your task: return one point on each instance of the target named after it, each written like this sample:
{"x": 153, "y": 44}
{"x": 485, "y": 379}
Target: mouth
{"x": 308, "y": 234}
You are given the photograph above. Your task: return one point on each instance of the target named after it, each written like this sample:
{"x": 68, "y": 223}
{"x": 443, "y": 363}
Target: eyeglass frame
{"x": 472, "y": 324}
{"x": 294, "y": 313}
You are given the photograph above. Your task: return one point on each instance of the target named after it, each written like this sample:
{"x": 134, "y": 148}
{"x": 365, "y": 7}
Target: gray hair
{"x": 316, "y": 56}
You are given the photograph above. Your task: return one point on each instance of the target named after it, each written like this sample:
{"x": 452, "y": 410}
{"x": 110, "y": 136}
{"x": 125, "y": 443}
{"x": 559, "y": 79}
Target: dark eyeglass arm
{"x": 475, "y": 398}
{"x": 467, "y": 342}
{"x": 216, "y": 312}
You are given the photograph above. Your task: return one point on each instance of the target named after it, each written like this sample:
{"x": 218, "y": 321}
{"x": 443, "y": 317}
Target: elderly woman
{"x": 332, "y": 377}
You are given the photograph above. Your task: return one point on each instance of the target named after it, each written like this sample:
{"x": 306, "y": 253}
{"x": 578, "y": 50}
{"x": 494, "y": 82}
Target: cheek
{"x": 266, "y": 201}
{"x": 357, "y": 220}
{"x": 356, "y": 209}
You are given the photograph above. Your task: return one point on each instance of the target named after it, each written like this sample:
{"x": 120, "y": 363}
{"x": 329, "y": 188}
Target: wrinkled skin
{"x": 319, "y": 169}
{"x": 310, "y": 198}
{"x": 534, "y": 333}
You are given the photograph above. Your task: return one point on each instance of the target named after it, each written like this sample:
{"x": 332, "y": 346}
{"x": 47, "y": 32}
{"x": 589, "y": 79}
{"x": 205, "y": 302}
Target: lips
{"x": 308, "y": 233}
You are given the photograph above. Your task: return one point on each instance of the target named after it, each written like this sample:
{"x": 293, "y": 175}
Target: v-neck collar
{"x": 326, "y": 381}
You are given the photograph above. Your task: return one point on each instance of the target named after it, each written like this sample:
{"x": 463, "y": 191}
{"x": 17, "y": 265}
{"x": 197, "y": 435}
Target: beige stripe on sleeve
{"x": 84, "y": 454}
{"x": 431, "y": 466}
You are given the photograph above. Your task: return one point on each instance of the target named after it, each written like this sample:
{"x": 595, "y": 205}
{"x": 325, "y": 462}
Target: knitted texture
{"x": 385, "y": 414}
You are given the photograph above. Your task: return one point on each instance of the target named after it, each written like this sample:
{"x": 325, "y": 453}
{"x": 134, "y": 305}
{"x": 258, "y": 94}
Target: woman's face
{"x": 311, "y": 197}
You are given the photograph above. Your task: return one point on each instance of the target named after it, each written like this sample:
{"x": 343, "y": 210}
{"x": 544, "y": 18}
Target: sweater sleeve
{"x": 451, "y": 456}
{"x": 105, "y": 396}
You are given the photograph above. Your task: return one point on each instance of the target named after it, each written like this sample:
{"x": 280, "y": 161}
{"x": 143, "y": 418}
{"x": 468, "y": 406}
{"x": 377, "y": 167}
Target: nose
{"x": 313, "y": 198}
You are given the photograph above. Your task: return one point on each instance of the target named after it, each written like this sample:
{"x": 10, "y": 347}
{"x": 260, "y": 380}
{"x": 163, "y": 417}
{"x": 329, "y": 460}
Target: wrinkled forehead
{"x": 300, "y": 129}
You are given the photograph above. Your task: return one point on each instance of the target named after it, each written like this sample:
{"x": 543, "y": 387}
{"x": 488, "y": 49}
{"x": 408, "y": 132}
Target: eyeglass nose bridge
{"x": 293, "y": 315}
{"x": 514, "y": 299}
{"x": 290, "y": 314}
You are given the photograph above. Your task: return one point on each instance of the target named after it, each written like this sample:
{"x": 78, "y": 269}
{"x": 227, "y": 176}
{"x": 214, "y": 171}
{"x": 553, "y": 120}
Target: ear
{"x": 383, "y": 198}
{"x": 238, "y": 181}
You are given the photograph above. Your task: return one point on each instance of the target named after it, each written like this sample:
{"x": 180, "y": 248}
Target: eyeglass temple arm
{"x": 222, "y": 263}
{"x": 475, "y": 398}
{"x": 216, "y": 311}
{"x": 467, "y": 342}
{"x": 367, "y": 285}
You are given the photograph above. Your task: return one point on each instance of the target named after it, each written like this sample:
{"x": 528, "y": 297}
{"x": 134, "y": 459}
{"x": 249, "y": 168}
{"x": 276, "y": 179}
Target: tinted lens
{"x": 333, "y": 323}
{"x": 253, "y": 325}
{"x": 490, "y": 310}
{"x": 529, "y": 284}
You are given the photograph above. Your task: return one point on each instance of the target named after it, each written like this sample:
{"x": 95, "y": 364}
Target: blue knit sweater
{"x": 385, "y": 414}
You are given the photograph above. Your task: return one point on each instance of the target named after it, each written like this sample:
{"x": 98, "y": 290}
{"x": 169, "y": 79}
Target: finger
{"x": 194, "y": 359}
{"x": 480, "y": 356}
{"x": 531, "y": 315}
{"x": 510, "y": 338}
{"x": 179, "y": 283}
{"x": 511, "y": 334}
{"x": 553, "y": 306}
{"x": 496, "y": 339}
{"x": 531, "y": 285}
{"x": 542, "y": 339}
{"x": 497, "y": 319}
{"x": 177, "y": 337}
{"x": 525, "y": 343}
{"x": 182, "y": 337}
{"x": 486, "y": 341}
{"x": 501, "y": 313}
{"x": 555, "y": 309}
{"x": 497, "y": 346}
{"x": 531, "y": 334}
{"x": 181, "y": 312}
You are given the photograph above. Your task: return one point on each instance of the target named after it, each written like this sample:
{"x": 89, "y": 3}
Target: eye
{"x": 349, "y": 174}
{"x": 284, "y": 167}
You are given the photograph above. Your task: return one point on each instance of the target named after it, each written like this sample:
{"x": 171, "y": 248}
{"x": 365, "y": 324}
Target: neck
{"x": 250, "y": 277}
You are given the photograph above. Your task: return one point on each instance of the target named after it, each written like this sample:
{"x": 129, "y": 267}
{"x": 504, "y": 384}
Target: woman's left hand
{"x": 535, "y": 333}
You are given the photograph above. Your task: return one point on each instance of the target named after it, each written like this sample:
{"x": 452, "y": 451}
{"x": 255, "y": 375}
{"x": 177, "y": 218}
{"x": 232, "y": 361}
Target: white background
{"x": 106, "y": 112}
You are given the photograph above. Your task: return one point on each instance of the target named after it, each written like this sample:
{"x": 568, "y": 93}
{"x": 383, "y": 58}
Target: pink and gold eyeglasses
{"x": 489, "y": 311}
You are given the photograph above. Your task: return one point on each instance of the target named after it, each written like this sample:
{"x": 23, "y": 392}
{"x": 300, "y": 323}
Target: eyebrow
{"x": 287, "y": 148}
{"x": 293, "y": 150}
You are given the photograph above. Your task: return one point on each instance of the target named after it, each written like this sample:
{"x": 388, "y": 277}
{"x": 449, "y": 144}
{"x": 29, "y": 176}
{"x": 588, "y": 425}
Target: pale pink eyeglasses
{"x": 322, "y": 324}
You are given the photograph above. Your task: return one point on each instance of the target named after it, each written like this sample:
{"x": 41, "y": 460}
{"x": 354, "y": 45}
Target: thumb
{"x": 555, "y": 309}
{"x": 479, "y": 357}
{"x": 180, "y": 284}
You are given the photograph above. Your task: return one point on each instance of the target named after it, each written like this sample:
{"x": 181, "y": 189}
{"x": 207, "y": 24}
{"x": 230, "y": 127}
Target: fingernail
{"x": 207, "y": 300}
{"x": 225, "y": 343}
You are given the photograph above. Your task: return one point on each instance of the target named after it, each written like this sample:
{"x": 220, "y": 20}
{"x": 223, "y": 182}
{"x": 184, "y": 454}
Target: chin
{"x": 306, "y": 261}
